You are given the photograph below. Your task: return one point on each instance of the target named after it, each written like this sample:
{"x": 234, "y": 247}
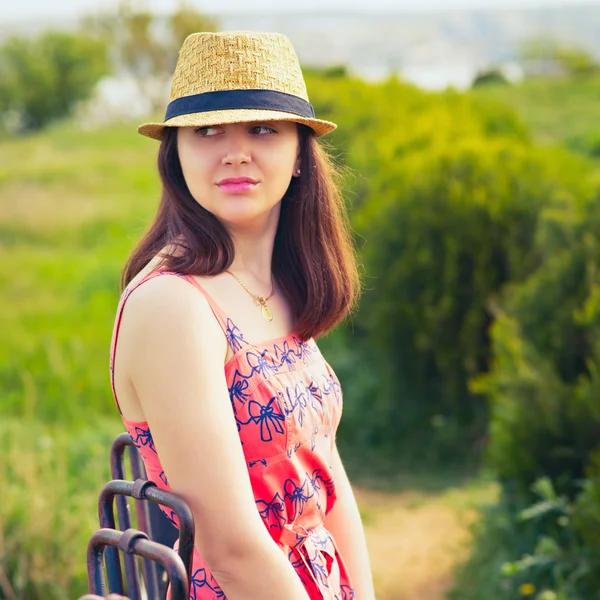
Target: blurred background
{"x": 469, "y": 143}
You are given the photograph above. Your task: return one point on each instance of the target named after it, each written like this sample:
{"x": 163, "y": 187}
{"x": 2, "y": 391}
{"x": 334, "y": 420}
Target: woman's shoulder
{"x": 167, "y": 316}
{"x": 164, "y": 295}
{"x": 157, "y": 295}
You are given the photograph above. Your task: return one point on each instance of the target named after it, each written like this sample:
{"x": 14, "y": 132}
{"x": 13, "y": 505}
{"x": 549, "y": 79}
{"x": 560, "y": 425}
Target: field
{"x": 72, "y": 204}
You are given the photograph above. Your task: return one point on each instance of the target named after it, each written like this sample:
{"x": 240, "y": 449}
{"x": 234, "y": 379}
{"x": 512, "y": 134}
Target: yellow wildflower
{"x": 527, "y": 589}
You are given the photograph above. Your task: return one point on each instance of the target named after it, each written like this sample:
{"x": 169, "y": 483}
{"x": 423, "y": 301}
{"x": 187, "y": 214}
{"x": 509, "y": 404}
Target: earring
{"x": 297, "y": 171}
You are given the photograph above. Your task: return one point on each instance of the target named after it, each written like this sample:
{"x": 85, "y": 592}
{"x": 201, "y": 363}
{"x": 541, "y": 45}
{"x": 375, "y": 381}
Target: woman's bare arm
{"x": 344, "y": 522}
{"x": 173, "y": 351}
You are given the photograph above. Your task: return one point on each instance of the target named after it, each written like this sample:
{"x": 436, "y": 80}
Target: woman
{"x": 215, "y": 368}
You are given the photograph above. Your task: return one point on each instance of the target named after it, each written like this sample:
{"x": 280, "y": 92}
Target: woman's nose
{"x": 237, "y": 148}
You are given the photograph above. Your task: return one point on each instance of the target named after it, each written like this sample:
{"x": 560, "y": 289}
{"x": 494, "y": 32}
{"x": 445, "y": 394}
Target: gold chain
{"x": 261, "y": 301}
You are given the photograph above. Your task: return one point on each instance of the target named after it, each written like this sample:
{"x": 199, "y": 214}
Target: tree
{"x": 144, "y": 46}
{"x": 42, "y": 79}
{"x": 547, "y": 53}
{"x": 491, "y": 76}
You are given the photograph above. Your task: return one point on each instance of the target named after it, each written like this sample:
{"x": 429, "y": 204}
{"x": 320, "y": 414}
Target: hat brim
{"x": 222, "y": 117}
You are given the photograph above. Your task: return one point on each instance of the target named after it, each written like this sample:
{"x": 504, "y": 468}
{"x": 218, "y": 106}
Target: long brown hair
{"x": 314, "y": 260}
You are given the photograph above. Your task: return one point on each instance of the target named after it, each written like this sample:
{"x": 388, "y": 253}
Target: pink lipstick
{"x": 237, "y": 185}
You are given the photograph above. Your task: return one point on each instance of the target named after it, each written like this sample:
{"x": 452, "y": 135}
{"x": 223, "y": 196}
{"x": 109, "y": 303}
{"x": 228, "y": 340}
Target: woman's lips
{"x": 237, "y": 185}
{"x": 237, "y": 188}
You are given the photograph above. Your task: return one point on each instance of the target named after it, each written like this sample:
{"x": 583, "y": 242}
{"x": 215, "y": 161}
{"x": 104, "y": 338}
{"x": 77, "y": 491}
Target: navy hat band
{"x": 240, "y": 99}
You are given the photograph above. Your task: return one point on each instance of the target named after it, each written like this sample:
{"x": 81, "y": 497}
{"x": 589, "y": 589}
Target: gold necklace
{"x": 267, "y": 313}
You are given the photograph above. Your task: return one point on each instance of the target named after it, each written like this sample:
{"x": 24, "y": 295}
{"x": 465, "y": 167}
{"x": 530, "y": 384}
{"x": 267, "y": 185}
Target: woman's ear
{"x": 297, "y": 169}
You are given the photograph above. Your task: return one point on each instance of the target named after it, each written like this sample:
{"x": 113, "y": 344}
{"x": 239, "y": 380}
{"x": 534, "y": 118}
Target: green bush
{"x": 445, "y": 231}
{"x": 543, "y": 387}
{"x": 585, "y": 143}
{"x": 425, "y": 200}
{"x": 548, "y": 550}
{"x": 481, "y": 578}
{"x": 493, "y": 76}
{"x": 543, "y": 390}
{"x": 556, "y": 111}
{"x": 42, "y": 79}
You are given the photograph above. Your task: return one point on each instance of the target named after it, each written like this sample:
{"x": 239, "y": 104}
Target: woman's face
{"x": 240, "y": 171}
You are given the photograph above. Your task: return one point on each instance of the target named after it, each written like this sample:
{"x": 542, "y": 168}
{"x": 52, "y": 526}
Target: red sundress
{"x": 287, "y": 404}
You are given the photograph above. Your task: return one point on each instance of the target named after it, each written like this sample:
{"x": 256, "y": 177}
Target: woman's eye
{"x": 263, "y": 129}
{"x": 206, "y": 131}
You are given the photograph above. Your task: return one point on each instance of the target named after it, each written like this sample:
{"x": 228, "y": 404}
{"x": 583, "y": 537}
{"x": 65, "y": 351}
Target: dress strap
{"x": 234, "y": 336}
{"x": 113, "y": 344}
{"x": 221, "y": 317}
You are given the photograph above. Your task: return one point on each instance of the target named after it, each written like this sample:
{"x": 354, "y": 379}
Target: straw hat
{"x": 237, "y": 76}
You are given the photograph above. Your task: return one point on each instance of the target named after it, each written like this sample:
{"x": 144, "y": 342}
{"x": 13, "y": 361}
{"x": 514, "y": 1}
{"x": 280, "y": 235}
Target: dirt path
{"x": 416, "y": 539}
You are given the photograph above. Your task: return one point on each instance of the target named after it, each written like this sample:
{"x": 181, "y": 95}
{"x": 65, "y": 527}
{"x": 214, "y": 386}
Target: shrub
{"x": 42, "y": 79}
{"x": 445, "y": 231}
{"x": 543, "y": 391}
{"x": 547, "y": 550}
{"x": 436, "y": 177}
{"x": 543, "y": 385}
{"x": 493, "y": 76}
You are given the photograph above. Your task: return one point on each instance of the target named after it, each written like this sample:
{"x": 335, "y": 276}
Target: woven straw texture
{"x": 236, "y": 60}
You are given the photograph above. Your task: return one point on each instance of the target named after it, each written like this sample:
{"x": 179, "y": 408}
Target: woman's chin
{"x": 243, "y": 219}
{"x": 246, "y": 214}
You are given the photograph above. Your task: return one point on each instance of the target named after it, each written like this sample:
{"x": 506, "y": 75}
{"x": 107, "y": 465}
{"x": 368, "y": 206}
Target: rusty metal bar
{"x": 135, "y": 542}
{"x": 138, "y": 471}
{"x": 113, "y": 564}
{"x": 143, "y": 489}
{"x": 106, "y": 516}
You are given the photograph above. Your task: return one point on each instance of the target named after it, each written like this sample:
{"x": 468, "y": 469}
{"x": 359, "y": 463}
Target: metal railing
{"x": 134, "y": 543}
{"x": 152, "y": 540}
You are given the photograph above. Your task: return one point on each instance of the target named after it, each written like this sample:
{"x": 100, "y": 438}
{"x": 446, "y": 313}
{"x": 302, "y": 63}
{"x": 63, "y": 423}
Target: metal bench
{"x": 153, "y": 535}
{"x": 132, "y": 543}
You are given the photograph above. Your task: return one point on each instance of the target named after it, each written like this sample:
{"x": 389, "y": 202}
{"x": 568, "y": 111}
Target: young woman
{"x": 214, "y": 366}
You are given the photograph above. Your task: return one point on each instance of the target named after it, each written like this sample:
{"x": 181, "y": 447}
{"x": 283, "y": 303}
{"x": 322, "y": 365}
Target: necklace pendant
{"x": 266, "y": 312}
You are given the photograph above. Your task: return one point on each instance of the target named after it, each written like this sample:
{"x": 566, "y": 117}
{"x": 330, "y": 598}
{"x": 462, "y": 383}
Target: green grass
{"x": 50, "y": 478}
{"x": 557, "y": 111}
{"x": 72, "y": 205}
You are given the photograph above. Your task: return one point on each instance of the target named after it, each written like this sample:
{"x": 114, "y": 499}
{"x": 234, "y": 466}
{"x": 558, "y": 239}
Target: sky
{"x": 36, "y": 9}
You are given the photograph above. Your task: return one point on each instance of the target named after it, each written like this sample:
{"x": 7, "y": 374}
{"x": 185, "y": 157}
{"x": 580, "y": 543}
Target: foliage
{"x": 555, "y": 541}
{"x": 556, "y": 111}
{"x": 574, "y": 60}
{"x": 543, "y": 392}
{"x": 586, "y": 143}
{"x": 493, "y": 76}
{"x": 145, "y": 48}
{"x": 445, "y": 204}
{"x": 42, "y": 79}
{"x": 543, "y": 386}
{"x": 72, "y": 204}
{"x": 50, "y": 479}
{"x": 480, "y": 577}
